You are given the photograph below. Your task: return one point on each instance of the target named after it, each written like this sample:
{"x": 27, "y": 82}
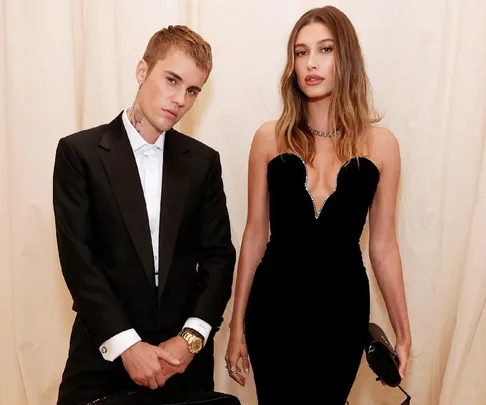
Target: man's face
{"x": 169, "y": 90}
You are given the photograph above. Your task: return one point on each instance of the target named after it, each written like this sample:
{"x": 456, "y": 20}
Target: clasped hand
{"x": 151, "y": 366}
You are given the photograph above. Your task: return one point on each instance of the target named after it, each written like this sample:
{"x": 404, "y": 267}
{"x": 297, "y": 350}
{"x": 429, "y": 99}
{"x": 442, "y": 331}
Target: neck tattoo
{"x": 135, "y": 116}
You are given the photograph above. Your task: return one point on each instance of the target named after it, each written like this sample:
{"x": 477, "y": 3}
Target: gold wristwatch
{"x": 193, "y": 339}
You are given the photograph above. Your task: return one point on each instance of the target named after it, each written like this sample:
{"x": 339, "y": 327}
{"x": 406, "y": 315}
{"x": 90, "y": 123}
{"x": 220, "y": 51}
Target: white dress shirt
{"x": 149, "y": 158}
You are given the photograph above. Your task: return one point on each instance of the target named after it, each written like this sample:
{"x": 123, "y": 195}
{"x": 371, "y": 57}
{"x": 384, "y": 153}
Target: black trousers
{"x": 88, "y": 376}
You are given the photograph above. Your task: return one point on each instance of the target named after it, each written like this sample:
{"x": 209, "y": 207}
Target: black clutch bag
{"x": 382, "y": 359}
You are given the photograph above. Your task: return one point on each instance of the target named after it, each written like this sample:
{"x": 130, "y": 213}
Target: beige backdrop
{"x": 69, "y": 64}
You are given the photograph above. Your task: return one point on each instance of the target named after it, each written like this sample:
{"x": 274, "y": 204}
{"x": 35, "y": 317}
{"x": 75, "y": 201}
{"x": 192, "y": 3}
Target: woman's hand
{"x": 236, "y": 350}
{"x": 403, "y": 352}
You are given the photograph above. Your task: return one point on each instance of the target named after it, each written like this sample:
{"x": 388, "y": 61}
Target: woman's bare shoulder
{"x": 265, "y": 141}
{"x": 383, "y": 145}
{"x": 382, "y": 136}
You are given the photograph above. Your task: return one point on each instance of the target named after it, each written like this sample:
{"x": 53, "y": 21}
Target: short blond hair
{"x": 182, "y": 38}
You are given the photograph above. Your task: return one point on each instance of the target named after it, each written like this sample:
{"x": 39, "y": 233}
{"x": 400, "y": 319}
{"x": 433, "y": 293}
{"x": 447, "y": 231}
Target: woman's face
{"x": 314, "y": 60}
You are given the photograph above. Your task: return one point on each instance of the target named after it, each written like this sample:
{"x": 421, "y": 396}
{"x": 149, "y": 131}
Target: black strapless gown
{"x": 308, "y": 309}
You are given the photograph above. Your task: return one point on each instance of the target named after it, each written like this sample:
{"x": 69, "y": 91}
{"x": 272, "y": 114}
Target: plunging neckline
{"x": 317, "y": 212}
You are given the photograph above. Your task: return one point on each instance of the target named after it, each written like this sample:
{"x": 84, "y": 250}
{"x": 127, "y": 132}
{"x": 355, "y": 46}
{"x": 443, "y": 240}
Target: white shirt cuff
{"x": 116, "y": 345}
{"x": 200, "y": 326}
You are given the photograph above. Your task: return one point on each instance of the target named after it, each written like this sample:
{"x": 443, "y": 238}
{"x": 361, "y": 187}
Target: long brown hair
{"x": 350, "y": 110}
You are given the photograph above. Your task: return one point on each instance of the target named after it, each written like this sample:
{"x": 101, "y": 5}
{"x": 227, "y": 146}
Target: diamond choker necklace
{"x": 320, "y": 133}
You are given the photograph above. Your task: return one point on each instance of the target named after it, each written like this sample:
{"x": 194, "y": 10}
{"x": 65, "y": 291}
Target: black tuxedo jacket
{"x": 104, "y": 238}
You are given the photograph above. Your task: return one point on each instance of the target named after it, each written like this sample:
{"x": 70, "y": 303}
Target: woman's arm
{"x": 255, "y": 236}
{"x": 383, "y": 247}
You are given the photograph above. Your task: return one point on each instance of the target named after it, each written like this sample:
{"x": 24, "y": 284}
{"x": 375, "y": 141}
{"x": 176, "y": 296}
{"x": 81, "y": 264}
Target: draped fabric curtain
{"x": 66, "y": 65}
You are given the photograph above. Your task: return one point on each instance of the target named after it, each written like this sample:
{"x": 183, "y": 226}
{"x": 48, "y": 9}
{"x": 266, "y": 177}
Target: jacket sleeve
{"x": 94, "y": 299}
{"x": 217, "y": 257}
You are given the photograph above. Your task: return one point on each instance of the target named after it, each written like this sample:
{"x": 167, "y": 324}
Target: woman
{"x": 302, "y": 299}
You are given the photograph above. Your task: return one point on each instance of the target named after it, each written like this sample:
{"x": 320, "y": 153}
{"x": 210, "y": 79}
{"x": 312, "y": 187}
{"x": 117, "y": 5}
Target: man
{"x": 144, "y": 236}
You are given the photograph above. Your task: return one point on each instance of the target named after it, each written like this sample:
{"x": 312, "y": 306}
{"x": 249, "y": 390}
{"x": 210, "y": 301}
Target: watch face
{"x": 196, "y": 345}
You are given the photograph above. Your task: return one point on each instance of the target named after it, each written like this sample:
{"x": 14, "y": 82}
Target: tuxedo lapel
{"x": 175, "y": 186}
{"x": 120, "y": 165}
